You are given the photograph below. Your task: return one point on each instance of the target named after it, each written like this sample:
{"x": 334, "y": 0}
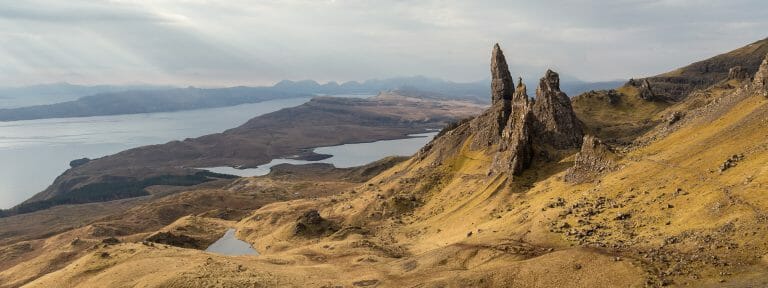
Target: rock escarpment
{"x": 594, "y": 159}
{"x": 737, "y": 73}
{"x": 761, "y": 78}
{"x": 646, "y": 93}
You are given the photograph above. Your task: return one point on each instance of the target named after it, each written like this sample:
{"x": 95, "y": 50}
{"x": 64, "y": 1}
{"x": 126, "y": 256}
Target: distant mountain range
{"x": 477, "y": 91}
{"x": 14, "y": 97}
{"x": 62, "y": 100}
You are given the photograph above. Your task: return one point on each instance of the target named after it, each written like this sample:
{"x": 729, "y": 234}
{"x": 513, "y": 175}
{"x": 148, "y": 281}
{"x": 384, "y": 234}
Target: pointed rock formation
{"x": 594, "y": 159}
{"x": 761, "y": 78}
{"x": 516, "y": 147}
{"x": 502, "y": 86}
{"x": 518, "y": 127}
{"x": 557, "y": 124}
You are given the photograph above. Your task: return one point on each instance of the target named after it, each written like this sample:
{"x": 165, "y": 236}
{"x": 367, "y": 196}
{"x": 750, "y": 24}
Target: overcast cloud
{"x": 238, "y": 42}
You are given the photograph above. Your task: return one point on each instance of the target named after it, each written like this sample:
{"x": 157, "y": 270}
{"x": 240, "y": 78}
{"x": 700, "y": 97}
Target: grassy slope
{"x": 622, "y": 121}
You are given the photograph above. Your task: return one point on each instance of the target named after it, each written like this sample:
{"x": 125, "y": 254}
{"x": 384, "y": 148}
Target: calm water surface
{"x": 230, "y": 245}
{"x": 34, "y": 152}
{"x": 344, "y": 156}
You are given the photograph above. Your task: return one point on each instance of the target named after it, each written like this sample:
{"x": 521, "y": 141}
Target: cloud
{"x": 200, "y": 42}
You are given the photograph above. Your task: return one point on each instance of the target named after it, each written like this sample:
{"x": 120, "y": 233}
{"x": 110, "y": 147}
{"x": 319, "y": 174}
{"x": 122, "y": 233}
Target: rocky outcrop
{"x": 517, "y": 126}
{"x": 646, "y": 93}
{"x": 737, "y": 73}
{"x": 79, "y": 162}
{"x": 178, "y": 240}
{"x": 556, "y": 122}
{"x": 310, "y": 224}
{"x": 495, "y": 118}
{"x": 594, "y": 159}
{"x": 760, "y": 83}
{"x": 516, "y": 148}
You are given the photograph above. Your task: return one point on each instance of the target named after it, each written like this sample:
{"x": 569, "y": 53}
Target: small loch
{"x": 343, "y": 156}
{"x": 231, "y": 246}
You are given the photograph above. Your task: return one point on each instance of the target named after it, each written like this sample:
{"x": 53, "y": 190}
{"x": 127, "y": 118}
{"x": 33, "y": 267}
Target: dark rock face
{"x": 761, "y": 78}
{"x": 594, "y": 159}
{"x": 737, "y": 73}
{"x": 310, "y": 224}
{"x": 179, "y": 240}
{"x": 502, "y": 86}
{"x": 78, "y": 162}
{"x": 646, "y": 93}
{"x": 516, "y": 147}
{"x": 556, "y": 123}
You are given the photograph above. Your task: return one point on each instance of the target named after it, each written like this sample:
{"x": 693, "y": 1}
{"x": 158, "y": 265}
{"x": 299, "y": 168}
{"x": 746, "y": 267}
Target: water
{"x": 344, "y": 156}
{"x": 34, "y": 152}
{"x": 231, "y": 246}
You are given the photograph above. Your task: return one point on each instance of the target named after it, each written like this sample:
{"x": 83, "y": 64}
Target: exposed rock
{"x": 731, "y": 162}
{"x": 646, "y": 93}
{"x": 516, "y": 148}
{"x": 311, "y": 224}
{"x": 78, "y": 162}
{"x": 502, "y": 86}
{"x": 761, "y": 78}
{"x": 556, "y": 122}
{"x": 594, "y": 159}
{"x": 673, "y": 117}
{"x": 519, "y": 127}
{"x": 737, "y": 73}
{"x": 179, "y": 240}
{"x": 366, "y": 283}
{"x": 493, "y": 120}
{"x": 110, "y": 241}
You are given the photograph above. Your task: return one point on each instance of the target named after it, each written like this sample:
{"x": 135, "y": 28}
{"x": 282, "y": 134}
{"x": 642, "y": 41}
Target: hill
{"x": 145, "y": 101}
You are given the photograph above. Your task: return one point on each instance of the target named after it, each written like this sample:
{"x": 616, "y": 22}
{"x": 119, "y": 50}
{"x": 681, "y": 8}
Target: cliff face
{"x": 556, "y": 123}
{"x": 760, "y": 83}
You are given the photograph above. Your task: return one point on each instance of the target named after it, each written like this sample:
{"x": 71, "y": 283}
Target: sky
{"x": 239, "y": 42}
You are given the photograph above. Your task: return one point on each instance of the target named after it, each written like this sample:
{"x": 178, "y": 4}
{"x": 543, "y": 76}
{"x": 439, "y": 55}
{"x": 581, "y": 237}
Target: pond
{"x": 231, "y": 246}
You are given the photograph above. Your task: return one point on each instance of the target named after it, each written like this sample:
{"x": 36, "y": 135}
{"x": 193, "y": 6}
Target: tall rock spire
{"x": 557, "y": 124}
{"x": 761, "y": 78}
{"x": 502, "y": 86}
{"x": 521, "y": 92}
